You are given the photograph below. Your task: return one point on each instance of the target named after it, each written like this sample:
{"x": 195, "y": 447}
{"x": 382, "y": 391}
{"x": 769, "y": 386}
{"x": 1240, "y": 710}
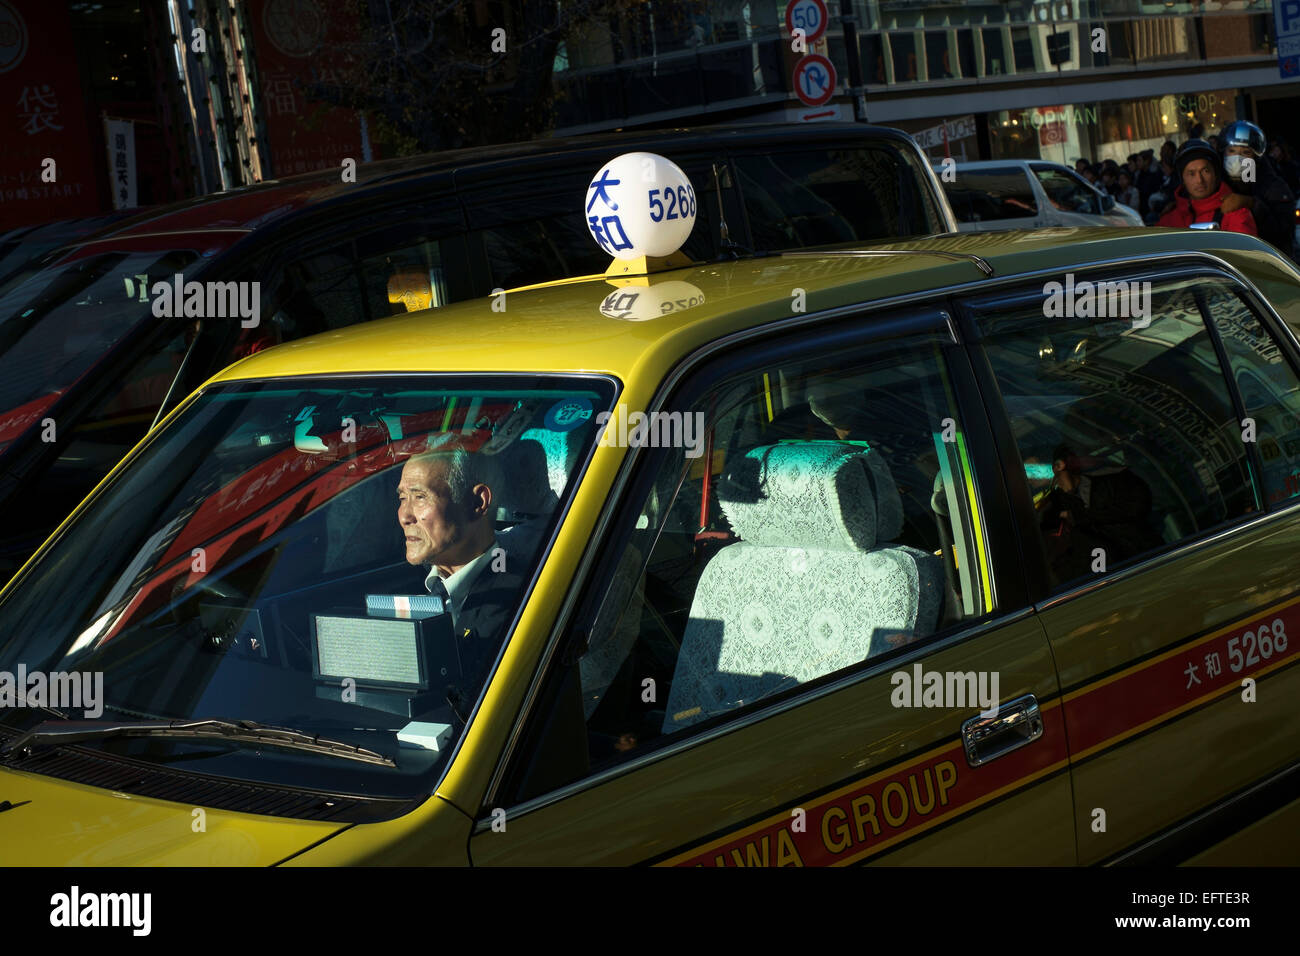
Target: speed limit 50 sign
{"x": 810, "y": 16}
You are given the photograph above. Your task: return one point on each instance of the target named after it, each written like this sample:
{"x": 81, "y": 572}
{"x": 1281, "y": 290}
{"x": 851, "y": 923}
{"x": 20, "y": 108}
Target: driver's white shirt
{"x": 459, "y": 582}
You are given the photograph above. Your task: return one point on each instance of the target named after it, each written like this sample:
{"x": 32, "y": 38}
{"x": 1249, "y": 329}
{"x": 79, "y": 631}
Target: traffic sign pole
{"x": 852, "y": 52}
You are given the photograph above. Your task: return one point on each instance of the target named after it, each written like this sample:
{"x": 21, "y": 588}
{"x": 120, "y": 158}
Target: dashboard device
{"x": 399, "y": 665}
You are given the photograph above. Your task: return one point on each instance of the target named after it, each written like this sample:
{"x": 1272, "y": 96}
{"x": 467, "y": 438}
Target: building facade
{"x": 1052, "y": 79}
{"x": 114, "y": 105}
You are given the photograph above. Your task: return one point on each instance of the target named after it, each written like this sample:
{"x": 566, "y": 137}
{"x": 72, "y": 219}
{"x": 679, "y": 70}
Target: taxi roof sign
{"x": 640, "y": 205}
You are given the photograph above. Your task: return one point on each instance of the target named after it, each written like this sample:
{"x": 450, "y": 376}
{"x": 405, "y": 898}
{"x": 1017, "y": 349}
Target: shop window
{"x": 1022, "y": 45}
{"x": 995, "y": 54}
{"x": 966, "y": 52}
{"x": 903, "y": 49}
{"x": 938, "y": 64}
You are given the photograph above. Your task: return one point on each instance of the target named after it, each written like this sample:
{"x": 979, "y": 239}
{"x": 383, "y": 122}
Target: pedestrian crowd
{"x": 1236, "y": 180}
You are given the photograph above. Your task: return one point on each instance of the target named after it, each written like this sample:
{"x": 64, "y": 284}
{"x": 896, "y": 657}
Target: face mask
{"x": 1233, "y": 165}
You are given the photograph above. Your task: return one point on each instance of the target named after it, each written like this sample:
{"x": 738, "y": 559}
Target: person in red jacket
{"x": 1201, "y": 196}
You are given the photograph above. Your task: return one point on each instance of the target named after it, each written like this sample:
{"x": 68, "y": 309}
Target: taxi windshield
{"x": 57, "y": 323}
{"x": 341, "y": 558}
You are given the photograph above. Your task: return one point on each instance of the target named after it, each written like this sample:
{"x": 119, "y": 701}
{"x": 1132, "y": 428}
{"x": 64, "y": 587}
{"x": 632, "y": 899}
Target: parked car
{"x": 87, "y": 364}
{"x": 1029, "y": 194}
{"x": 771, "y": 581}
{"x": 22, "y": 248}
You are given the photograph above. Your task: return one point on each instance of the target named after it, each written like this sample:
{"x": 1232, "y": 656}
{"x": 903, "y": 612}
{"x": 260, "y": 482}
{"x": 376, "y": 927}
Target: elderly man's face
{"x": 1200, "y": 179}
{"x": 433, "y": 524}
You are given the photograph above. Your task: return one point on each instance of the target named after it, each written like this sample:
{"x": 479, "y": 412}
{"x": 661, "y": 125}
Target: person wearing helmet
{"x": 1256, "y": 184}
{"x": 1201, "y": 195}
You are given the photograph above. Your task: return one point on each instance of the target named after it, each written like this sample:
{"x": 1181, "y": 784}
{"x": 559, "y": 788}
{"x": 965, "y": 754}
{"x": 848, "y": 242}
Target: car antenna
{"x": 724, "y": 233}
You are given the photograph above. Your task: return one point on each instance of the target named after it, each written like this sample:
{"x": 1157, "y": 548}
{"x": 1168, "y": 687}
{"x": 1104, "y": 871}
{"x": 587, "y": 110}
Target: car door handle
{"x": 1017, "y": 723}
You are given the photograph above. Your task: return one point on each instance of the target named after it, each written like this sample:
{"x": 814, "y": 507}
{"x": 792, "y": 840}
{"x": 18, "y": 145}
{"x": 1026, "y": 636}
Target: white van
{"x": 1028, "y": 194}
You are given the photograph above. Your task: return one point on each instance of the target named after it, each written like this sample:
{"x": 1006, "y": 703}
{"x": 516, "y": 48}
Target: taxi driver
{"x": 446, "y": 521}
{"x": 446, "y": 514}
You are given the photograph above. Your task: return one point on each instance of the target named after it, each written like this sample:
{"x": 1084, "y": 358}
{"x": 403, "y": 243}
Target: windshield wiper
{"x": 52, "y": 733}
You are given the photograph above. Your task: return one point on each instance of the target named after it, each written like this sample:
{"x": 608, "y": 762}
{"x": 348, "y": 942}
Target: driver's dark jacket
{"x": 479, "y": 628}
{"x": 484, "y": 616}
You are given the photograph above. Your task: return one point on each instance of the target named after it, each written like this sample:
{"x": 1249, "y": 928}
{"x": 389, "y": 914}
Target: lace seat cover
{"x": 812, "y": 586}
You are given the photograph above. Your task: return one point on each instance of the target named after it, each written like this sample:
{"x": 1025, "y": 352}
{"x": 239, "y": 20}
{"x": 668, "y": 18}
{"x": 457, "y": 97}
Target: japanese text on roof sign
{"x": 608, "y": 229}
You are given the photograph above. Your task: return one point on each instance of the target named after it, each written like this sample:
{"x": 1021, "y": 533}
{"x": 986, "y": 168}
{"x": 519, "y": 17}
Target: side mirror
{"x": 1107, "y": 202}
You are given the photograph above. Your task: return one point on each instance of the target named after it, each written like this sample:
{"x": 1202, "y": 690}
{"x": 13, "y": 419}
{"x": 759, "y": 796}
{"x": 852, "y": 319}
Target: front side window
{"x": 1066, "y": 192}
{"x": 341, "y": 558}
{"x": 1122, "y": 417}
{"x": 821, "y": 517}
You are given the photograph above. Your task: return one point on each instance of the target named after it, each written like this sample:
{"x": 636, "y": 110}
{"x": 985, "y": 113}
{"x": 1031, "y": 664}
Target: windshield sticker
{"x": 567, "y": 414}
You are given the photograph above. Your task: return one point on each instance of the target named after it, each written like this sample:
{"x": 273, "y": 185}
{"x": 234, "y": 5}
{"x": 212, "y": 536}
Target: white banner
{"x": 121, "y": 161}
{"x": 957, "y": 129}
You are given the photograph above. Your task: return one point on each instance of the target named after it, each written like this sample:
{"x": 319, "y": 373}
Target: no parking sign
{"x": 814, "y": 79}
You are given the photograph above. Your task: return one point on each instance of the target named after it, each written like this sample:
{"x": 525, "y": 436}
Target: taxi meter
{"x": 399, "y": 656}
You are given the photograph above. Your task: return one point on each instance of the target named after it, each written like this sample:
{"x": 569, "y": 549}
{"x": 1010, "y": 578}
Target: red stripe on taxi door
{"x": 879, "y": 811}
{"x": 1105, "y": 713}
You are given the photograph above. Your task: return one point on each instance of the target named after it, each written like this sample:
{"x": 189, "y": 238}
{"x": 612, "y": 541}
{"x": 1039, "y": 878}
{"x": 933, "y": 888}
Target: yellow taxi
{"x": 959, "y": 550}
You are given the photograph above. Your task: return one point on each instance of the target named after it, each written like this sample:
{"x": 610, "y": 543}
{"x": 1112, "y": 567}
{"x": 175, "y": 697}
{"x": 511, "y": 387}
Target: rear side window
{"x": 559, "y": 246}
{"x": 1126, "y": 426}
{"x": 817, "y": 197}
{"x": 990, "y": 194}
{"x": 416, "y": 265}
{"x": 1270, "y": 392}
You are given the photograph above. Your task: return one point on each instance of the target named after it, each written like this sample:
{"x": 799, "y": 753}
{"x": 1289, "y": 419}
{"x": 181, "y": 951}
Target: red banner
{"x": 291, "y": 39}
{"x": 42, "y": 118}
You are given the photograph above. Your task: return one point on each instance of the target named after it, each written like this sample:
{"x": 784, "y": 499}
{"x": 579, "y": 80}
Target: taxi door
{"x": 841, "y": 720}
{"x": 1172, "y": 618}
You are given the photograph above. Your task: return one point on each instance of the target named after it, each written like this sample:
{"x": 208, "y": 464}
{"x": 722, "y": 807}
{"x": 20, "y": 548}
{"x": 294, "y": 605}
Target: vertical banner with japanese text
{"x": 120, "y": 136}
